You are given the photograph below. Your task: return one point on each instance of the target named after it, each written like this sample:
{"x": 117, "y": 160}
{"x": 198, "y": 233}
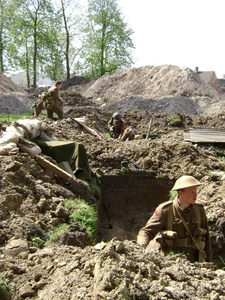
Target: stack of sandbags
{"x": 23, "y": 128}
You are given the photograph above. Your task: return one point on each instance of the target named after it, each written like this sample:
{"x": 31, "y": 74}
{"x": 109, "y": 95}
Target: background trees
{"x": 107, "y": 43}
{"x": 56, "y": 39}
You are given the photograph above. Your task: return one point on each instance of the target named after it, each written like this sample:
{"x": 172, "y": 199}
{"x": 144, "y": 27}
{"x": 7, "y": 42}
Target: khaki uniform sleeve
{"x": 155, "y": 224}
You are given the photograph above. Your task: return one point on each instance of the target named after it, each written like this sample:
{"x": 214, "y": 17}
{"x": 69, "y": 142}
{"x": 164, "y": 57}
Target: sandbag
{"x": 29, "y": 147}
{"x": 32, "y": 127}
{"x": 8, "y": 148}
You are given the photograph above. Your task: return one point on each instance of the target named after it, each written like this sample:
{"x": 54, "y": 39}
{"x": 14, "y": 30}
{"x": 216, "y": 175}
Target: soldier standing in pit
{"x": 182, "y": 224}
{"x": 53, "y": 106}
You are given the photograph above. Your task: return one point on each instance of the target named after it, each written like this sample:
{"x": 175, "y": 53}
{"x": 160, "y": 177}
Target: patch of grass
{"x": 96, "y": 191}
{"x": 176, "y": 121}
{"x": 37, "y": 242}
{"x": 5, "y": 289}
{"x": 222, "y": 260}
{"x": 6, "y": 119}
{"x": 54, "y": 234}
{"x": 107, "y": 135}
{"x": 124, "y": 170}
{"x": 134, "y": 110}
{"x": 84, "y": 214}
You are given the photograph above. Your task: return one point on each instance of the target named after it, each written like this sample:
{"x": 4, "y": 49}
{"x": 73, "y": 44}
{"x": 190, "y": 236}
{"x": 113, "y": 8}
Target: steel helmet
{"x": 184, "y": 182}
{"x": 117, "y": 116}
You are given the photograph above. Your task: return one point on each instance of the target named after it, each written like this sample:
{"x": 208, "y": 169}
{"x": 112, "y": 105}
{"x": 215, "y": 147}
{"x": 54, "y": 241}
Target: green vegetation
{"x": 81, "y": 212}
{"x": 37, "y": 242}
{"x": 220, "y": 153}
{"x": 5, "y": 289}
{"x": 134, "y": 110}
{"x": 85, "y": 46}
{"x": 172, "y": 195}
{"x": 103, "y": 26}
{"x": 107, "y": 135}
{"x": 6, "y": 119}
{"x": 84, "y": 214}
{"x": 222, "y": 260}
{"x": 54, "y": 234}
{"x": 176, "y": 121}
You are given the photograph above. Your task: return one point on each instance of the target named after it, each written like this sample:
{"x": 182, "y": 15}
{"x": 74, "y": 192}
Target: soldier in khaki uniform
{"x": 181, "y": 225}
{"x": 116, "y": 126}
{"x": 55, "y": 107}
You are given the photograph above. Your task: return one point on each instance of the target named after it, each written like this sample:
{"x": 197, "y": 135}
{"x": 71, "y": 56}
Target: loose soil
{"x": 135, "y": 176}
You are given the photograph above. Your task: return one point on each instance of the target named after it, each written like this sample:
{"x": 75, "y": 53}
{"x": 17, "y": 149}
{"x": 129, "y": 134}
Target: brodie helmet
{"x": 184, "y": 182}
{"x": 117, "y": 116}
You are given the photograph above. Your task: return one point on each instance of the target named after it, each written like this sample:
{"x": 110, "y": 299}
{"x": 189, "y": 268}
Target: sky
{"x": 183, "y": 33}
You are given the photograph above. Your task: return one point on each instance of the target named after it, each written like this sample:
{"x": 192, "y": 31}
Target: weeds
{"x": 222, "y": 262}
{"x": 84, "y": 214}
{"x": 37, "y": 242}
{"x": 175, "y": 121}
{"x": 5, "y": 289}
{"x": 54, "y": 234}
{"x": 6, "y": 119}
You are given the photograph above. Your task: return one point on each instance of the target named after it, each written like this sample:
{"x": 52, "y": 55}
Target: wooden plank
{"x": 205, "y": 135}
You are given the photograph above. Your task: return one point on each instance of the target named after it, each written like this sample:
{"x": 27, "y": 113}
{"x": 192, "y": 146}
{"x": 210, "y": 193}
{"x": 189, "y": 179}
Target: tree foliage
{"x": 107, "y": 40}
{"x": 46, "y": 38}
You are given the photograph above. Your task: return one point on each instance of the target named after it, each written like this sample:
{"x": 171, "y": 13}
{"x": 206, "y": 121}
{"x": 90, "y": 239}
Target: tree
{"x": 69, "y": 32}
{"x": 107, "y": 43}
{"x": 34, "y": 37}
{"x": 7, "y": 8}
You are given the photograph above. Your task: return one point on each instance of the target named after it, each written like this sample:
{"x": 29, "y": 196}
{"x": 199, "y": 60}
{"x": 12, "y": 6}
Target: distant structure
{"x": 210, "y": 78}
{"x": 21, "y": 80}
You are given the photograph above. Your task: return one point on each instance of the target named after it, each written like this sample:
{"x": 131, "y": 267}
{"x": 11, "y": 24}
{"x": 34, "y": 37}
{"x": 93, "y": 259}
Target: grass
{"x": 5, "y": 289}
{"x": 6, "y": 119}
{"x": 54, "y": 234}
{"x": 37, "y": 242}
{"x": 222, "y": 260}
{"x": 84, "y": 214}
{"x": 81, "y": 212}
{"x": 175, "y": 121}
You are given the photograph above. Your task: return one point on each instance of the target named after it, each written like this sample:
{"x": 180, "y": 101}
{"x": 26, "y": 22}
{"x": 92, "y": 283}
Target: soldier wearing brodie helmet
{"x": 180, "y": 225}
{"x": 116, "y": 126}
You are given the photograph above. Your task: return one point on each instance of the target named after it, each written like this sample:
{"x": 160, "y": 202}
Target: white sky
{"x": 184, "y": 33}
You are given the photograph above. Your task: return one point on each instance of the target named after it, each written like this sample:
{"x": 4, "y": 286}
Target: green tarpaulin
{"x": 72, "y": 152}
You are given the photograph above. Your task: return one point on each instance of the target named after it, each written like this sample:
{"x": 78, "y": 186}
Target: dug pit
{"x": 127, "y": 203}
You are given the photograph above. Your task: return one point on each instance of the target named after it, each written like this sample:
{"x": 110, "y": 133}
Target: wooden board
{"x": 205, "y": 135}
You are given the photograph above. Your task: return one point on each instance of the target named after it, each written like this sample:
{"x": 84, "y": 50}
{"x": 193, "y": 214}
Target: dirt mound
{"x": 7, "y": 85}
{"x": 153, "y": 83}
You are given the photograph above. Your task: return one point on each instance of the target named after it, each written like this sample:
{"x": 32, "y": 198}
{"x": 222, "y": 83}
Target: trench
{"x": 127, "y": 203}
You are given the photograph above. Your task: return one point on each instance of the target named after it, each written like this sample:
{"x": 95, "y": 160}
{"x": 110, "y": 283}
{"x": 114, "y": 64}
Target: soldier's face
{"x": 189, "y": 195}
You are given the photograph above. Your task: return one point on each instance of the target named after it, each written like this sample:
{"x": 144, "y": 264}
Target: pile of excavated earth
{"x": 134, "y": 177}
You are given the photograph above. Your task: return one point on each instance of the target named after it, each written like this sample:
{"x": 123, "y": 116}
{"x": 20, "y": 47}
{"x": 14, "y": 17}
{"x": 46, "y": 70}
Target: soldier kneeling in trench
{"x": 117, "y": 128}
{"x": 180, "y": 226}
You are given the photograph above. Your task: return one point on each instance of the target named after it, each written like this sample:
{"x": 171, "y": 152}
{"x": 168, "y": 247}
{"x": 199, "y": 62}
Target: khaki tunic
{"x": 158, "y": 222}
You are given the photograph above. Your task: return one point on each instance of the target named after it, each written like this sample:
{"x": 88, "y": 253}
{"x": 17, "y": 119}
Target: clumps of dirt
{"x": 114, "y": 270}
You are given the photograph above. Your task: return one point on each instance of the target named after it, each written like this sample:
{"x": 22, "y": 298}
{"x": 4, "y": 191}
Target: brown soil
{"x": 116, "y": 267}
